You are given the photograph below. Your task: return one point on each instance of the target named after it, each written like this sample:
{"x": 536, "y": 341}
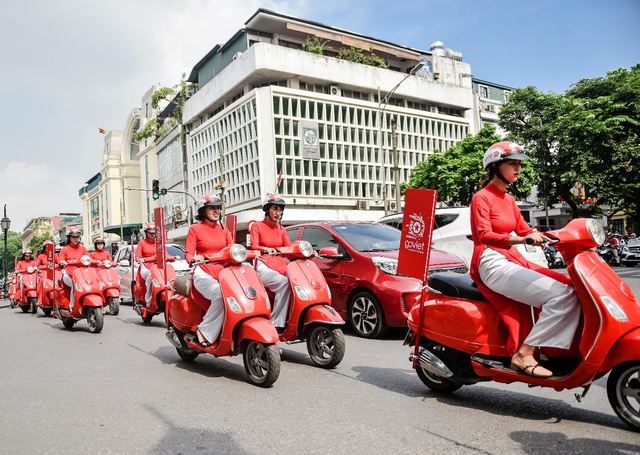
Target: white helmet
{"x": 502, "y": 151}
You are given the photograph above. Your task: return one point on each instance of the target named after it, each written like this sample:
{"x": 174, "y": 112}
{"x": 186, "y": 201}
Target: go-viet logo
{"x": 414, "y": 241}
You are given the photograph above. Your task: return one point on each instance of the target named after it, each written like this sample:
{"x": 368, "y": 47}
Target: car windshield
{"x": 175, "y": 251}
{"x": 369, "y": 237}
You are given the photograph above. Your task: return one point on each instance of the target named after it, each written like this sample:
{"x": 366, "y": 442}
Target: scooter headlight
{"x": 85, "y": 260}
{"x": 238, "y": 253}
{"x": 305, "y": 248}
{"x": 106, "y": 263}
{"x": 596, "y": 231}
{"x": 31, "y": 269}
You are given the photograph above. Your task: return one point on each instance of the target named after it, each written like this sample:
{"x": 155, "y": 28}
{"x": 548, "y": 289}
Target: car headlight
{"x": 596, "y": 231}
{"x": 386, "y": 265}
{"x": 305, "y": 248}
{"x": 238, "y": 253}
{"x": 85, "y": 260}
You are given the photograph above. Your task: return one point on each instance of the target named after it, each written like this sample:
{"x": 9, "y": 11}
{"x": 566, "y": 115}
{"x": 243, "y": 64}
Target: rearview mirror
{"x": 330, "y": 252}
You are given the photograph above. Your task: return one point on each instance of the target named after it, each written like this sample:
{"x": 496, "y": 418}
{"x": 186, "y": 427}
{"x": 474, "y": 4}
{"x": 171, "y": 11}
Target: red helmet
{"x": 272, "y": 199}
{"x": 26, "y": 251}
{"x": 212, "y": 200}
{"x": 98, "y": 240}
{"x": 502, "y": 151}
{"x": 74, "y": 232}
{"x": 150, "y": 228}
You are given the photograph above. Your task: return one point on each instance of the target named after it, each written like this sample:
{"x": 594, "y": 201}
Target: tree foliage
{"x": 35, "y": 243}
{"x": 457, "y": 173}
{"x": 14, "y": 250}
{"x": 588, "y": 135}
{"x": 357, "y": 54}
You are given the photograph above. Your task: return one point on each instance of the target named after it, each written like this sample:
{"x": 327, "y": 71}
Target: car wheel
{"x": 628, "y": 263}
{"x": 366, "y": 315}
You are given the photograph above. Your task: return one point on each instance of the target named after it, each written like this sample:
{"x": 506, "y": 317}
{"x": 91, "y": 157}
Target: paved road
{"x": 125, "y": 391}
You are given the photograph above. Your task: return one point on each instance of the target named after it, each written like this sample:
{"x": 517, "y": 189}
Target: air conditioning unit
{"x": 335, "y": 90}
{"x": 179, "y": 213}
{"x": 237, "y": 55}
{"x": 433, "y": 109}
{"x": 363, "y": 205}
{"x": 392, "y": 206}
{"x": 491, "y": 108}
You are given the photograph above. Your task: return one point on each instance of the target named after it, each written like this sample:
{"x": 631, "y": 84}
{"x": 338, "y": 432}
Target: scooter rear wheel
{"x": 433, "y": 381}
{"x": 326, "y": 346}
{"x": 261, "y": 362}
{"x": 623, "y": 389}
{"x": 68, "y": 323}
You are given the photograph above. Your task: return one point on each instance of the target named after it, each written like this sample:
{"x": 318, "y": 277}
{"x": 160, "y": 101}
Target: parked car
{"x": 123, "y": 267}
{"x": 631, "y": 253}
{"x": 366, "y": 288}
{"x": 452, "y": 233}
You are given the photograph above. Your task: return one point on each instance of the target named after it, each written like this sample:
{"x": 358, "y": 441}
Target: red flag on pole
{"x": 102, "y": 130}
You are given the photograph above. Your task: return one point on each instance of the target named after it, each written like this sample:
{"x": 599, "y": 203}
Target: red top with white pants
{"x": 494, "y": 216}
{"x": 206, "y": 238}
{"x": 70, "y": 252}
{"x": 267, "y": 235}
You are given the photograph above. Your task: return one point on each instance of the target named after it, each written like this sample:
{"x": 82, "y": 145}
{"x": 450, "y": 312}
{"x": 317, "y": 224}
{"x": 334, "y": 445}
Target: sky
{"x": 70, "y": 67}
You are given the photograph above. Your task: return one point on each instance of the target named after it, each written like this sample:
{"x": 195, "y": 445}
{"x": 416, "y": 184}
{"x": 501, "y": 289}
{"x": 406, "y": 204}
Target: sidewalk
{"x": 4, "y": 303}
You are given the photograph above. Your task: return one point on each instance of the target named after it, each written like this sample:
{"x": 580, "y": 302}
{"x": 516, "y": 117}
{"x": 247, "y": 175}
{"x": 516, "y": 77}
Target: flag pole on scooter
{"x": 415, "y": 244}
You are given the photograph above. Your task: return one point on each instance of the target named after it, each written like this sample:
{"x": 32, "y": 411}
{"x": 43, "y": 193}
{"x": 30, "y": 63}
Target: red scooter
{"x": 110, "y": 286}
{"x": 27, "y": 293}
{"x": 13, "y": 287}
{"x": 462, "y": 339}
{"x": 87, "y": 296}
{"x": 158, "y": 302}
{"x": 311, "y": 316}
{"x": 247, "y": 328}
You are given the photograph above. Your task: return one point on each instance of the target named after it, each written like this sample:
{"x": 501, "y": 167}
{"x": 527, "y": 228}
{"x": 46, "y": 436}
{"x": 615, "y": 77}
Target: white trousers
{"x": 278, "y": 284}
{"x": 559, "y": 304}
{"x": 209, "y": 287}
{"x": 145, "y": 274}
{"x": 66, "y": 278}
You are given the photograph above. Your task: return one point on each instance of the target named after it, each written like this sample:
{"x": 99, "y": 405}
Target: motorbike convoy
{"x": 457, "y": 337}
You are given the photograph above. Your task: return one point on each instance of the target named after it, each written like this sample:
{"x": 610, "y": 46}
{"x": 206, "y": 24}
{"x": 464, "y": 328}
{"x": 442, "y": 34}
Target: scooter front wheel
{"x": 33, "y": 305}
{"x": 623, "y": 391}
{"x": 114, "y": 305}
{"x": 261, "y": 362}
{"x": 95, "y": 318}
{"x": 326, "y": 346}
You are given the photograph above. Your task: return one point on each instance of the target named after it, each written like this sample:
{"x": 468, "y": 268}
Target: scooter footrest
{"x": 499, "y": 363}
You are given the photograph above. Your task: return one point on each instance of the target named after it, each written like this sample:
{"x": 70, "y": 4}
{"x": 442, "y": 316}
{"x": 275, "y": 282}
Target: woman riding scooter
{"x": 41, "y": 261}
{"x": 266, "y": 236}
{"x": 73, "y": 250}
{"x": 146, "y": 250}
{"x": 100, "y": 253}
{"x": 506, "y": 278}
{"x": 26, "y": 261}
{"x": 207, "y": 237}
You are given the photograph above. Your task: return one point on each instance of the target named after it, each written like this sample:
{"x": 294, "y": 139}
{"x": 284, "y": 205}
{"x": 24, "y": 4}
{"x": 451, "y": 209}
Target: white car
{"x": 123, "y": 267}
{"x": 452, "y": 233}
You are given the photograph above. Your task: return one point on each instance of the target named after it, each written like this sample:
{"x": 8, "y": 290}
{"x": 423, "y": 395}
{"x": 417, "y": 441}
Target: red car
{"x": 365, "y": 286}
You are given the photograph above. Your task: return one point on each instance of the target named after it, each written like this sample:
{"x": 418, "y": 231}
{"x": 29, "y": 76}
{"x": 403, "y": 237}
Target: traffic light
{"x": 156, "y": 189}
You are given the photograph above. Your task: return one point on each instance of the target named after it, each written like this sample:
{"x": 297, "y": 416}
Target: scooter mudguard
{"x": 113, "y": 292}
{"x": 324, "y": 314}
{"x": 90, "y": 300}
{"x": 626, "y": 349}
{"x": 258, "y": 329}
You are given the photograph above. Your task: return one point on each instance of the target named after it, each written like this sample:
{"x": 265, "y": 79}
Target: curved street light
{"x": 382, "y": 105}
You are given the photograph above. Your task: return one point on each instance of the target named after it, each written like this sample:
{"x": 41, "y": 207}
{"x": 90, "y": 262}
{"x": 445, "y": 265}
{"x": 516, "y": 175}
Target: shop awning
{"x": 125, "y": 230}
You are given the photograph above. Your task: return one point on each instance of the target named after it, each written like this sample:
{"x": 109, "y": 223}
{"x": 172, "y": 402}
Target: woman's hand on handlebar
{"x": 536, "y": 238}
{"x": 197, "y": 259}
{"x": 270, "y": 251}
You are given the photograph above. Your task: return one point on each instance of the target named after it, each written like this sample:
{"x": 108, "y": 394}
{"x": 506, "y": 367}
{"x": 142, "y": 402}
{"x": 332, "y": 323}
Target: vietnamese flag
{"x": 102, "y": 130}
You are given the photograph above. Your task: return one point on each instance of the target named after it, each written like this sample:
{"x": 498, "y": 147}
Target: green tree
{"x": 35, "y": 243}
{"x": 588, "y": 135}
{"x": 14, "y": 250}
{"x": 457, "y": 173}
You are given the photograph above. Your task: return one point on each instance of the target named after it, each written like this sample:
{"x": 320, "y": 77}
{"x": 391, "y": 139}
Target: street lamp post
{"x": 382, "y": 105}
{"x": 6, "y": 223}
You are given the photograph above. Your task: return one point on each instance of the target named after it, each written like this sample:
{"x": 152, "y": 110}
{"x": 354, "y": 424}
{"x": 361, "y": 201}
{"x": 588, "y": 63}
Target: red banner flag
{"x": 102, "y": 130}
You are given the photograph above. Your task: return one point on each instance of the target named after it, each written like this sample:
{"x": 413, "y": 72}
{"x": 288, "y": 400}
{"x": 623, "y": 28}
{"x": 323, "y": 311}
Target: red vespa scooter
{"x": 158, "y": 302}
{"x": 47, "y": 276}
{"x": 247, "y": 328}
{"x": 13, "y": 287}
{"x": 88, "y": 297}
{"x": 462, "y": 340}
{"x": 27, "y": 298}
{"x": 311, "y": 316}
{"x": 110, "y": 286}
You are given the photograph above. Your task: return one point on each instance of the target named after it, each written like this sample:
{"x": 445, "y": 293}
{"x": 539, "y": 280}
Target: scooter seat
{"x": 456, "y": 285}
{"x": 182, "y": 285}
